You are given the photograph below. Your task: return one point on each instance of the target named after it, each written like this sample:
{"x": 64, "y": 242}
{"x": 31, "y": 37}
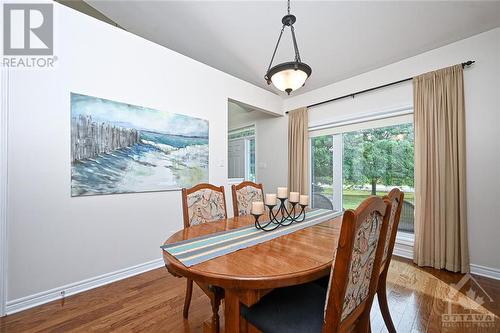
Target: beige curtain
{"x": 298, "y": 151}
{"x": 440, "y": 201}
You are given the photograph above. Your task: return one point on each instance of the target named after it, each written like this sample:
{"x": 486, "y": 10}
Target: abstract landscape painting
{"x": 122, "y": 148}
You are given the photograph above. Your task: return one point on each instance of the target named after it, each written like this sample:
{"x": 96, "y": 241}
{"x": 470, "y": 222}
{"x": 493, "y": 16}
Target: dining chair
{"x": 243, "y": 195}
{"x": 395, "y": 197}
{"x": 204, "y": 203}
{"x": 345, "y": 305}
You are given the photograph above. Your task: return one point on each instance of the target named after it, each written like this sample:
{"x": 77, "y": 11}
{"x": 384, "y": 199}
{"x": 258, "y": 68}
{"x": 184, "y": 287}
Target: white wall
{"x": 482, "y": 101}
{"x": 272, "y": 153}
{"x": 53, "y": 239}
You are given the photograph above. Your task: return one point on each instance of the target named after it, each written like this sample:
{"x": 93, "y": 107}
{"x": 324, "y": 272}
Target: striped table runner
{"x": 196, "y": 250}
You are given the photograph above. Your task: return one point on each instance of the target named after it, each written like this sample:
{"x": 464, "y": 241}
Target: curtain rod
{"x": 464, "y": 64}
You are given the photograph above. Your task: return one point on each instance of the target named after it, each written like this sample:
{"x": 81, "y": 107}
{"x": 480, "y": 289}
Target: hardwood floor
{"x": 153, "y": 302}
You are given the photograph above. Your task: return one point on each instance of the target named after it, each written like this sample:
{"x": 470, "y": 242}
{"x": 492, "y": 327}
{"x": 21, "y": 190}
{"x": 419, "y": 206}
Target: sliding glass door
{"x": 322, "y": 172}
{"x": 347, "y": 166}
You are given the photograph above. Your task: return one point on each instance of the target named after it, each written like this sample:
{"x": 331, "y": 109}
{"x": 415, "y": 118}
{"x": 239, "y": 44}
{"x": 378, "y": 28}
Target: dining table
{"x": 248, "y": 274}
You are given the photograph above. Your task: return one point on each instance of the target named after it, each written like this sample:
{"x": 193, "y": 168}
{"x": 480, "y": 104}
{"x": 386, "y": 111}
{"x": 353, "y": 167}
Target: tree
{"x": 379, "y": 155}
{"x": 373, "y": 156}
{"x": 322, "y": 164}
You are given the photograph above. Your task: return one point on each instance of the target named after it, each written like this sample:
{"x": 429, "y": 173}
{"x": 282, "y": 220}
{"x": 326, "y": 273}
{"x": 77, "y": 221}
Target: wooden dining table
{"x": 248, "y": 274}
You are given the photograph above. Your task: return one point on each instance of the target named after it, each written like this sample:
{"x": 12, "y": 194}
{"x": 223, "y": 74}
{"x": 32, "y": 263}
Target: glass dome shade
{"x": 289, "y": 76}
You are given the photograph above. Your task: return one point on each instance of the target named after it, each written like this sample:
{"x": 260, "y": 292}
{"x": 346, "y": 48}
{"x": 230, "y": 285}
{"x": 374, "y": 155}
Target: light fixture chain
{"x": 288, "y": 7}
{"x": 276, "y": 48}
{"x": 295, "y": 46}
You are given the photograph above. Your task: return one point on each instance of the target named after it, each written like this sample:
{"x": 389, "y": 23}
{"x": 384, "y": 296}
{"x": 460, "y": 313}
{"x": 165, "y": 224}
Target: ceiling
{"x": 337, "y": 39}
{"x": 241, "y": 114}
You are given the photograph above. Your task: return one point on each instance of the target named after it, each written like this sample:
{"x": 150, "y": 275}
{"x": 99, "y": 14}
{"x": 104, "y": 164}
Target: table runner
{"x": 196, "y": 250}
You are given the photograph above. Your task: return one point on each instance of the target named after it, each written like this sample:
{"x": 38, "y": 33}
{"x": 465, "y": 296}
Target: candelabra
{"x": 281, "y": 216}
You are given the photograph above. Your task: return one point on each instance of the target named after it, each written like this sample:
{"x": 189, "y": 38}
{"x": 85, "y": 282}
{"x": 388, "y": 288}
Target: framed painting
{"x": 122, "y": 148}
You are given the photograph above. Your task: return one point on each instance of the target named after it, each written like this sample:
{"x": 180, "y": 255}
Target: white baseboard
{"x": 30, "y": 301}
{"x": 490, "y": 272}
{"x": 404, "y": 249}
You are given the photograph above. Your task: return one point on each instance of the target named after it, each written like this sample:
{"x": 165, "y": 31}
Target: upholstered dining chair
{"x": 345, "y": 305}
{"x": 395, "y": 197}
{"x": 204, "y": 203}
{"x": 243, "y": 195}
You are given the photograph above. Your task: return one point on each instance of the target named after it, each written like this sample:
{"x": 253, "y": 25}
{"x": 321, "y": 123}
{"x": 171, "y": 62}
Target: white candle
{"x": 257, "y": 207}
{"x": 294, "y": 197}
{"x": 282, "y": 192}
{"x": 304, "y": 200}
{"x": 271, "y": 199}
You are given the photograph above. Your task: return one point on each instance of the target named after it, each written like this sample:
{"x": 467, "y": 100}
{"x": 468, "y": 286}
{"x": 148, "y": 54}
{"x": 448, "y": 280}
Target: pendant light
{"x": 288, "y": 76}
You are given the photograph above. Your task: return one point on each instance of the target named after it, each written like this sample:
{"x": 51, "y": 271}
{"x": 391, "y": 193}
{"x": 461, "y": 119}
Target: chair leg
{"x": 215, "y": 302}
{"x": 384, "y": 306}
{"x": 187, "y": 300}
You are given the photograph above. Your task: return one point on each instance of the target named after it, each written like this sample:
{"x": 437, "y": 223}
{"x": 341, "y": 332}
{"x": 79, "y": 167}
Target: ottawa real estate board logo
{"x": 28, "y": 35}
{"x": 467, "y": 310}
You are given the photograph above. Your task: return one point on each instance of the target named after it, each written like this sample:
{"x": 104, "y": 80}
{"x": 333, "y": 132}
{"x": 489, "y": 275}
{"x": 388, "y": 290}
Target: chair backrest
{"x": 355, "y": 272}
{"x": 407, "y": 217}
{"x": 321, "y": 201}
{"x": 396, "y": 198}
{"x": 243, "y": 195}
{"x": 203, "y": 203}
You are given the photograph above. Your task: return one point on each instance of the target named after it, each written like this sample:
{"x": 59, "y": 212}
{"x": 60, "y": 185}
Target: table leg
{"x": 231, "y": 311}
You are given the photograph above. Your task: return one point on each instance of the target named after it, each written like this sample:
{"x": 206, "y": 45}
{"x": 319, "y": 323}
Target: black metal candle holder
{"x": 282, "y": 216}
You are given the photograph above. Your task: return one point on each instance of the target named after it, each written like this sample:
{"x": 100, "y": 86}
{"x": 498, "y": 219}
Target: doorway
{"x": 243, "y": 140}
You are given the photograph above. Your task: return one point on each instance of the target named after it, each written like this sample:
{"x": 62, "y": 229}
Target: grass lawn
{"x": 352, "y": 198}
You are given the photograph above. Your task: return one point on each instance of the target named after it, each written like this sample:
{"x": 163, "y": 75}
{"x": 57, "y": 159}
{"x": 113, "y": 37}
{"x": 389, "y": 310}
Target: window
{"x": 241, "y": 154}
{"x": 250, "y": 175}
{"x": 350, "y": 163}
